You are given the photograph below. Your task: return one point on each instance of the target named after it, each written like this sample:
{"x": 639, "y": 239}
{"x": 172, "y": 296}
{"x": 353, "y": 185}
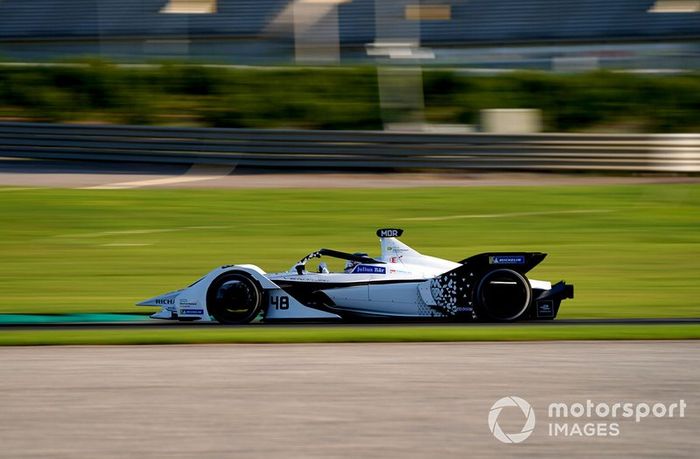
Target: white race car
{"x": 399, "y": 284}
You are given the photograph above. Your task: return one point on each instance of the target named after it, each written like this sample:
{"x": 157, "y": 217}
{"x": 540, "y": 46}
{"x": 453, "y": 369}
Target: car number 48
{"x": 280, "y": 302}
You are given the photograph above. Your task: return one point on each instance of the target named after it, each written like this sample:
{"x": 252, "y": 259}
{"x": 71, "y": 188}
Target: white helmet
{"x": 350, "y": 264}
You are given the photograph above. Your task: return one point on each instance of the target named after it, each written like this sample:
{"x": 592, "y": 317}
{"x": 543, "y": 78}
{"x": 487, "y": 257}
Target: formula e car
{"x": 399, "y": 284}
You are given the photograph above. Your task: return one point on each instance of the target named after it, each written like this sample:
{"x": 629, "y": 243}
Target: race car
{"x": 400, "y": 283}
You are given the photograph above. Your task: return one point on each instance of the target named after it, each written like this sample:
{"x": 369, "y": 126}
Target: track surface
{"x": 350, "y": 400}
{"x": 76, "y": 174}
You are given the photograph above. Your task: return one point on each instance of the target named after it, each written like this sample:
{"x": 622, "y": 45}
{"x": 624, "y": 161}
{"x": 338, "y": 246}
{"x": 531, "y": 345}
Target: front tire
{"x": 503, "y": 295}
{"x": 234, "y": 298}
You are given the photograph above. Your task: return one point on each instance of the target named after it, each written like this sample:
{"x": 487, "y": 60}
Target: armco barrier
{"x": 352, "y": 149}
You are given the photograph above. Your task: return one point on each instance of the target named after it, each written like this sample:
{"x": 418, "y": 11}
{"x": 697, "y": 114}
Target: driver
{"x": 350, "y": 264}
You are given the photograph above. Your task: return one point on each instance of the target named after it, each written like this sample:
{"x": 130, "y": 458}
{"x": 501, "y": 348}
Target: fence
{"x": 352, "y": 149}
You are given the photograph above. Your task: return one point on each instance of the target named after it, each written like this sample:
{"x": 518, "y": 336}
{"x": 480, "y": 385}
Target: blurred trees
{"x": 337, "y": 97}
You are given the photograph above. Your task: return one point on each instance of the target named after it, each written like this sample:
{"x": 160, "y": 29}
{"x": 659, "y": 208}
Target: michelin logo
{"x": 507, "y": 260}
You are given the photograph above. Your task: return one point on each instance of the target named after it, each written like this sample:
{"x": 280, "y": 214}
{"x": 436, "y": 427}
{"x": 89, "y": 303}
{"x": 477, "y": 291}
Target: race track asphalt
{"x": 339, "y": 400}
{"x": 106, "y": 175}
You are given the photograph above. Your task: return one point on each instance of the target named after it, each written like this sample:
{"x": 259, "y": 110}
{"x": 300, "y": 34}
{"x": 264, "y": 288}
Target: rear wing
{"x": 521, "y": 262}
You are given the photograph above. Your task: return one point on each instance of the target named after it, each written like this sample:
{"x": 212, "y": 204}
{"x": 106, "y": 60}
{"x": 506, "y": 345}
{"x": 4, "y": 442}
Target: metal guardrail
{"x": 352, "y": 149}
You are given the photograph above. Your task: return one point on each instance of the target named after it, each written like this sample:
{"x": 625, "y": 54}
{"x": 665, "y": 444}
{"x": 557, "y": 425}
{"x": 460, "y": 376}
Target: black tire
{"x": 234, "y": 298}
{"x": 503, "y": 295}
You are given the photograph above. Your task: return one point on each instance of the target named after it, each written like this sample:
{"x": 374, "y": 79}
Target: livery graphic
{"x": 363, "y": 269}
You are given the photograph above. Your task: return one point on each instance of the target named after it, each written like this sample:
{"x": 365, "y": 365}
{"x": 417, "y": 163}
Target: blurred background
{"x": 644, "y": 35}
{"x": 417, "y": 65}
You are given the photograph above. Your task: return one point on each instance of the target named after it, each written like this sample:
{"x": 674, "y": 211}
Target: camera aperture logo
{"x": 528, "y": 412}
{"x": 589, "y": 419}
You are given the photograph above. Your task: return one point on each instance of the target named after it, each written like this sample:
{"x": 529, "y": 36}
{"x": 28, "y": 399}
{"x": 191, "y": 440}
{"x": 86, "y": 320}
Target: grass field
{"x": 349, "y": 334}
{"x": 631, "y": 251}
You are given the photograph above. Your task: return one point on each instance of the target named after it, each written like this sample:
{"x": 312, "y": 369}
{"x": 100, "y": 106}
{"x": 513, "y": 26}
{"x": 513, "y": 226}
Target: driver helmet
{"x": 350, "y": 264}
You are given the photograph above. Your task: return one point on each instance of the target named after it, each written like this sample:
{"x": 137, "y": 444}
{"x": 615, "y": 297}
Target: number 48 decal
{"x": 280, "y": 302}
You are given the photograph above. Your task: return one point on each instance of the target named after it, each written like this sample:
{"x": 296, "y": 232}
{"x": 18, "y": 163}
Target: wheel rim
{"x": 235, "y": 299}
{"x": 504, "y": 294}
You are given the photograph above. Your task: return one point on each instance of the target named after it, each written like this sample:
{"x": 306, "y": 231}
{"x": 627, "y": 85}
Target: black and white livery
{"x": 399, "y": 284}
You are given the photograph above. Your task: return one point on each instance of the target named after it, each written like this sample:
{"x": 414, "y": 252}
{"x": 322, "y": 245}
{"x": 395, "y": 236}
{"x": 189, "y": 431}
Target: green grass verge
{"x": 631, "y": 251}
{"x": 262, "y": 334}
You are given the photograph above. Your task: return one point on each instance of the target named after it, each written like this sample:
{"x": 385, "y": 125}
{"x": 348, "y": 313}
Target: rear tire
{"x": 503, "y": 295}
{"x": 234, "y": 298}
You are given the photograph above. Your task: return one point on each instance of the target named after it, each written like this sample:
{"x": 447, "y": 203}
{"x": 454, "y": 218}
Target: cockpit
{"x": 354, "y": 262}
